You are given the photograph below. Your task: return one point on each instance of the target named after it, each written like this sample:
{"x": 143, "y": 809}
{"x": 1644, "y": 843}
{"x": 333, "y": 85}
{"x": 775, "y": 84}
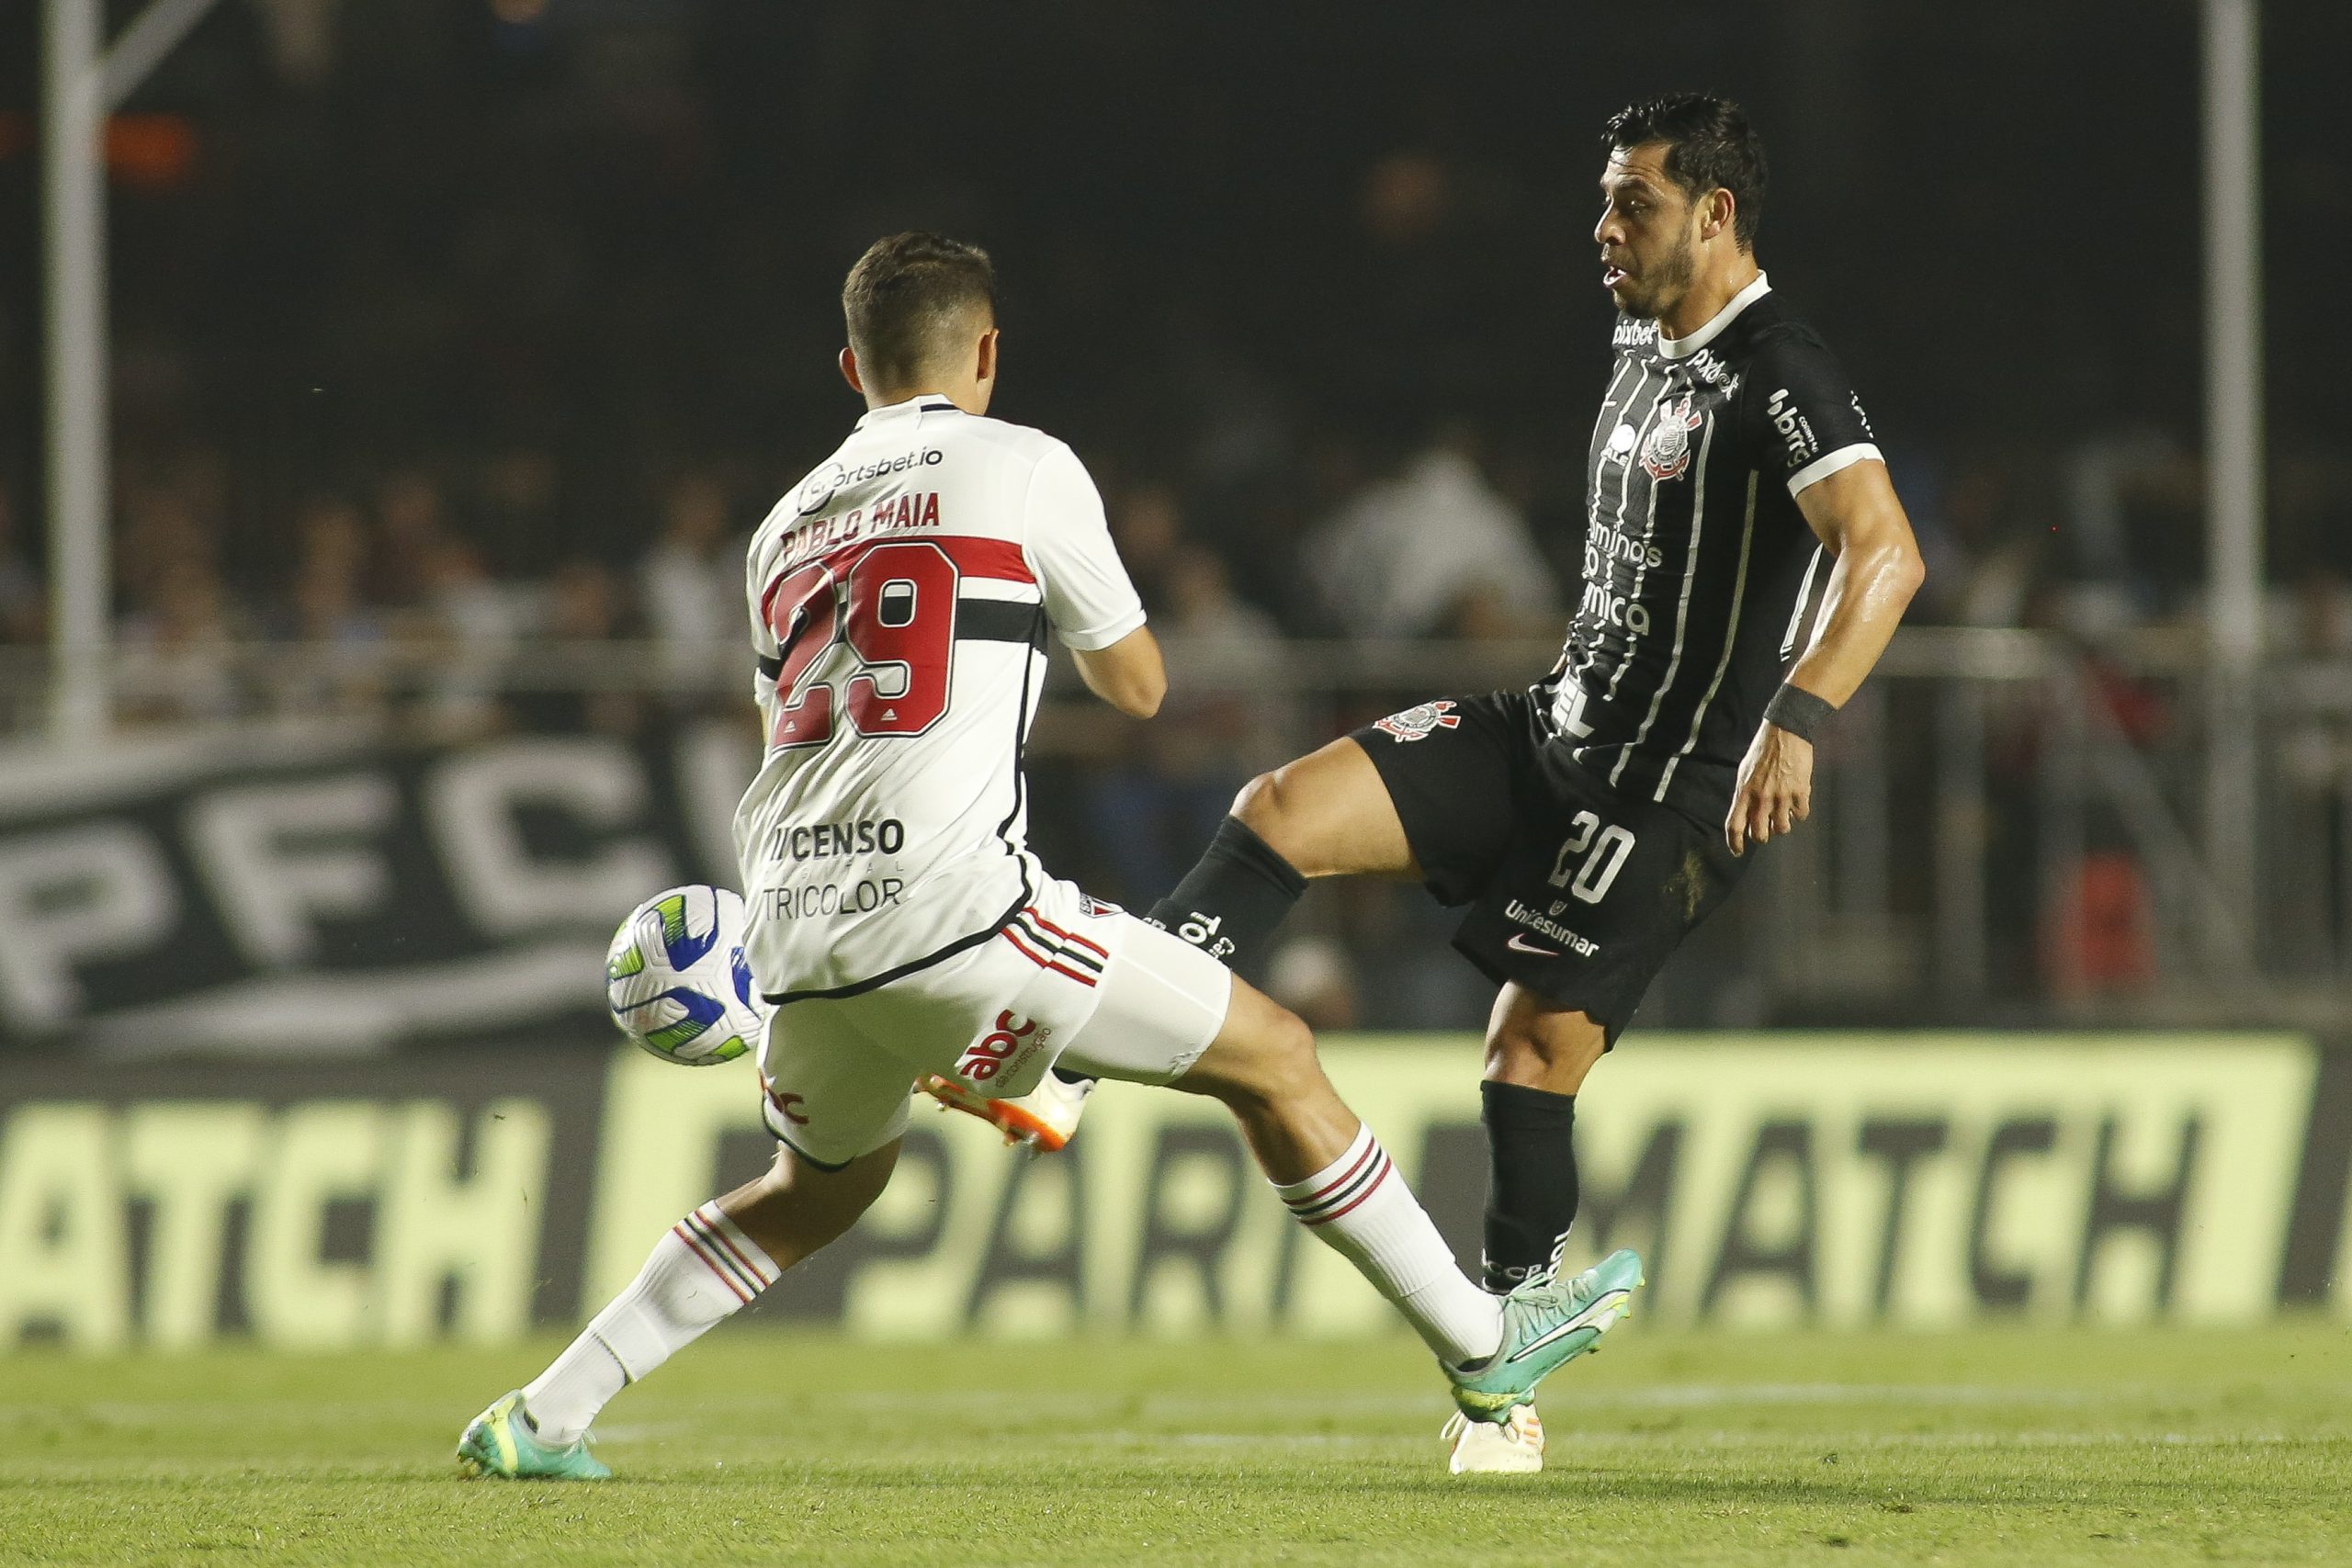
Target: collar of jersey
{"x": 921, "y": 403}
{"x": 1683, "y": 347}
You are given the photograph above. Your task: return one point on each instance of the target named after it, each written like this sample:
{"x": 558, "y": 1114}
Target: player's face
{"x": 1648, "y": 232}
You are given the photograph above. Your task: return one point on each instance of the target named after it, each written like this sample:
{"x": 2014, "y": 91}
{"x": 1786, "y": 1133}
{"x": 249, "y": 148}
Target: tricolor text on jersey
{"x": 808, "y": 900}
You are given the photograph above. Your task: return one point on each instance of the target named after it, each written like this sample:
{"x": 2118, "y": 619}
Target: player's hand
{"x": 1775, "y": 789}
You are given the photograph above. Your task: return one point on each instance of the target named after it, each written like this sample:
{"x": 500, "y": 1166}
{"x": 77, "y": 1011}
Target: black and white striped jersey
{"x": 1697, "y": 563}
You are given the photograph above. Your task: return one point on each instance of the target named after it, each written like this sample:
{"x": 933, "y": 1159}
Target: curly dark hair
{"x": 903, "y": 292}
{"x": 1709, "y": 146}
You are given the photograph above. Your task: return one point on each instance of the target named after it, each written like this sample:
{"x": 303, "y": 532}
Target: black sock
{"x": 1230, "y": 902}
{"x": 1532, "y": 1186}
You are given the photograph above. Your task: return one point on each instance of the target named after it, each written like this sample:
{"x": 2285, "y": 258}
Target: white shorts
{"x": 1069, "y": 978}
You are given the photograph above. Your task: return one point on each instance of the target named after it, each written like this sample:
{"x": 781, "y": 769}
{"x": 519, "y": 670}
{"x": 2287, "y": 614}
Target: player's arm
{"x": 1129, "y": 674}
{"x": 1090, "y": 600}
{"x": 1876, "y": 569}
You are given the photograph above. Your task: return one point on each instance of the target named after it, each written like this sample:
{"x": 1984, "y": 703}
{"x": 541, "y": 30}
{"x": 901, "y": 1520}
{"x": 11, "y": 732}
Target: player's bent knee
{"x": 1259, "y": 805}
{"x": 1552, "y": 1051}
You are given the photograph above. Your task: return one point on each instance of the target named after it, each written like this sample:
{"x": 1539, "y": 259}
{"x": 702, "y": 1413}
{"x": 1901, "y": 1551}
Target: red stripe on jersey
{"x": 979, "y": 557}
{"x": 973, "y": 556}
{"x": 1070, "y": 937}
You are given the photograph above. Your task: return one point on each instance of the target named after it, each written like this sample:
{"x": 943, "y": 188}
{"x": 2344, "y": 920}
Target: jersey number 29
{"x": 896, "y": 609}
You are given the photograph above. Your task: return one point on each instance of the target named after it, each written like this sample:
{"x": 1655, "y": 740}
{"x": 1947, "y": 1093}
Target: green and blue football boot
{"x": 1547, "y": 1323}
{"x": 500, "y": 1442}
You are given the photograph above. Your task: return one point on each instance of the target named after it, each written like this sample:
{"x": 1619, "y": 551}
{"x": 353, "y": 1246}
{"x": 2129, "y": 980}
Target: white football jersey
{"x": 900, "y": 599}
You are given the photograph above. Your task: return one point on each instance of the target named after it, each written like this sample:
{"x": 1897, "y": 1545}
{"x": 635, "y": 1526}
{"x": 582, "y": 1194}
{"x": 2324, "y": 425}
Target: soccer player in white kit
{"x": 900, "y": 596}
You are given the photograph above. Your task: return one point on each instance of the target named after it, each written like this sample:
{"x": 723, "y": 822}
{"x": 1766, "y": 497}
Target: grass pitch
{"x": 758, "y": 1446}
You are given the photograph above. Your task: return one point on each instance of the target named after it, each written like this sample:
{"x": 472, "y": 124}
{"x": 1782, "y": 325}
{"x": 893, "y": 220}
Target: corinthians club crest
{"x": 1667, "y": 452}
{"x": 1415, "y": 722}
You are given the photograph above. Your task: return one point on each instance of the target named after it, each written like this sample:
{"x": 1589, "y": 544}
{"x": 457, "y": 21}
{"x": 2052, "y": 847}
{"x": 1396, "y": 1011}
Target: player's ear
{"x": 1722, "y": 210}
{"x": 849, "y": 371}
{"x": 985, "y": 370}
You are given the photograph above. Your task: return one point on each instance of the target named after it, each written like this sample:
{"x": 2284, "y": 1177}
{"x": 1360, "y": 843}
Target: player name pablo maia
{"x": 892, "y": 514}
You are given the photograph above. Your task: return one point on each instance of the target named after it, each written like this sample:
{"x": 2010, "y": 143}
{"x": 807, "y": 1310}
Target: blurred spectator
{"x": 1433, "y": 551}
{"x": 584, "y": 606}
{"x": 1313, "y": 977}
{"x": 178, "y": 653}
{"x": 691, "y": 584}
{"x": 339, "y": 665}
{"x": 412, "y": 523}
{"x": 478, "y": 624}
{"x": 1224, "y": 720}
{"x": 24, "y": 610}
{"x": 1148, "y": 526}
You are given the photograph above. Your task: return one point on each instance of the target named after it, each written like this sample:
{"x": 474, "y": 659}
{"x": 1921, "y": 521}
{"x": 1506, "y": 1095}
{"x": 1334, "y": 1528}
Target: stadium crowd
{"x": 445, "y": 334}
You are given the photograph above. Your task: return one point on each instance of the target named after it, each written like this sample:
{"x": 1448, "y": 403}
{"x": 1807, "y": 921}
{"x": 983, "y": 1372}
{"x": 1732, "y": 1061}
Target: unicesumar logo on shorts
{"x": 1416, "y": 722}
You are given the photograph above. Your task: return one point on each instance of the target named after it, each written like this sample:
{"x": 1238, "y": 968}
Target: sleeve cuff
{"x": 1829, "y": 463}
{"x": 1103, "y": 636}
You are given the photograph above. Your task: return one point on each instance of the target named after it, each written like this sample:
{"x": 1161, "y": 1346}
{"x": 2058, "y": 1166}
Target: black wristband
{"x": 1797, "y": 711}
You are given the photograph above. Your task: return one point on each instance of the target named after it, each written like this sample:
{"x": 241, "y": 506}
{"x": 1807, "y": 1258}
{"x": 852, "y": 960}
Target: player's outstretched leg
{"x": 1334, "y": 1176}
{"x": 1337, "y": 1181}
{"x": 710, "y": 1266}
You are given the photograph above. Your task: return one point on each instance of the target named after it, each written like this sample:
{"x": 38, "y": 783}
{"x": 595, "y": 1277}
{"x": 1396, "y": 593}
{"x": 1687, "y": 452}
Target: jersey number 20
{"x": 896, "y": 609}
{"x": 1590, "y": 857}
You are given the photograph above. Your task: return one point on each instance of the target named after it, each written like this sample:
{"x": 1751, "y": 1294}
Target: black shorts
{"x": 1577, "y": 892}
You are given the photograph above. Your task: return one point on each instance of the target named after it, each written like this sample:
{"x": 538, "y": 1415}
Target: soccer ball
{"x": 677, "y": 980}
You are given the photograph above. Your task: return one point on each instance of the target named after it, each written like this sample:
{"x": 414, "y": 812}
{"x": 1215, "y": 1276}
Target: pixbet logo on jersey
{"x": 1415, "y": 722}
{"x": 994, "y": 1053}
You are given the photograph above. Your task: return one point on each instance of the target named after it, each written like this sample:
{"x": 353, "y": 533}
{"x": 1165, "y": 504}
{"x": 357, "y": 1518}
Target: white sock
{"x": 1361, "y": 1207}
{"x": 701, "y": 1274}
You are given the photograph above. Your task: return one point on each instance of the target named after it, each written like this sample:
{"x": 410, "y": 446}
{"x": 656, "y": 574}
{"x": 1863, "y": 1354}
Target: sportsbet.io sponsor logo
{"x": 817, "y": 491}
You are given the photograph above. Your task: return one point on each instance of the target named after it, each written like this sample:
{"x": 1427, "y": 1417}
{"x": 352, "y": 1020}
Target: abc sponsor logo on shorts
{"x": 1544, "y": 926}
{"x": 995, "y": 1052}
{"x": 808, "y": 900}
{"x": 821, "y": 841}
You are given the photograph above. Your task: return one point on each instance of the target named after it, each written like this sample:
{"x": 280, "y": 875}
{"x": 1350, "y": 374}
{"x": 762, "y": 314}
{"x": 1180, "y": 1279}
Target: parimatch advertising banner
{"x": 1904, "y": 1179}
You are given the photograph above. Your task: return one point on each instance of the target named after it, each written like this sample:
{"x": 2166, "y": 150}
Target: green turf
{"x": 758, "y": 1446}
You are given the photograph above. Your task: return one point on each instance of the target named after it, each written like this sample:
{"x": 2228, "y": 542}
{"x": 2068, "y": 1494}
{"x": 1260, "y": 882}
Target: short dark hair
{"x": 1709, "y": 146}
{"x": 903, "y": 292}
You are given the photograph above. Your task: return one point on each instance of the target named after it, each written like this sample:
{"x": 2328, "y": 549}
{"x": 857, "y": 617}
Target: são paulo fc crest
{"x": 1415, "y": 722}
{"x": 1667, "y": 452}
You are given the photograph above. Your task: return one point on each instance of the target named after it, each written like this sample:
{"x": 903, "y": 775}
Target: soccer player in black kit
{"x": 1588, "y": 823}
